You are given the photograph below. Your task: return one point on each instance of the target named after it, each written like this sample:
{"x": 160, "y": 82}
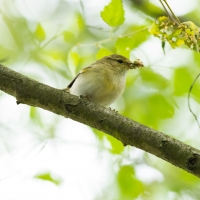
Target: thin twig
{"x": 111, "y": 38}
{"x": 28, "y": 164}
{"x": 172, "y": 12}
{"x": 169, "y": 15}
{"x": 172, "y": 16}
{"x": 189, "y": 106}
{"x": 54, "y": 37}
{"x": 39, "y": 48}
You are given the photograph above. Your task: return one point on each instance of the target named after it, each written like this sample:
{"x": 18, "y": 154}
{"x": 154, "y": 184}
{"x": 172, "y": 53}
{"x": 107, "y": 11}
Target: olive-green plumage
{"x": 103, "y": 81}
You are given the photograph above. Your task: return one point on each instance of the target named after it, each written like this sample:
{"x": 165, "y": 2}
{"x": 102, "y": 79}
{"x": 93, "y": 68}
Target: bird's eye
{"x": 120, "y": 61}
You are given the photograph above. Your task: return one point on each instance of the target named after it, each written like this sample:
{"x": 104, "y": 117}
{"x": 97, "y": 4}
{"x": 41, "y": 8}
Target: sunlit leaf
{"x": 49, "y": 177}
{"x": 69, "y": 37}
{"x": 81, "y": 22}
{"x": 56, "y": 55}
{"x": 129, "y": 185}
{"x": 185, "y": 179}
{"x": 117, "y": 146}
{"x": 99, "y": 134}
{"x": 4, "y": 53}
{"x": 35, "y": 116}
{"x": 75, "y": 58}
{"x": 113, "y": 13}
{"x": 186, "y": 33}
{"x": 182, "y": 80}
{"x": 160, "y": 106}
{"x": 32, "y": 112}
{"x": 152, "y": 79}
{"x": 103, "y": 52}
{"x": 40, "y": 34}
{"x": 2, "y": 60}
{"x": 126, "y": 44}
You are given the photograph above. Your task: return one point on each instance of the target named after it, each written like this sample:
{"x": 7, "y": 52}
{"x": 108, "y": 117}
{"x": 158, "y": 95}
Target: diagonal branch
{"x": 129, "y": 132}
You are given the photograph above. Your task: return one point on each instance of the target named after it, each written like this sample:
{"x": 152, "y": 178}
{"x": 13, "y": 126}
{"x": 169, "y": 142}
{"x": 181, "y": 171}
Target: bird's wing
{"x": 73, "y": 80}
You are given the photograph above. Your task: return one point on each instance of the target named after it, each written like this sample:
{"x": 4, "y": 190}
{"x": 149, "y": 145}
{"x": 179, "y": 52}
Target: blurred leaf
{"x": 139, "y": 34}
{"x": 129, "y": 185}
{"x": 113, "y": 13}
{"x": 32, "y": 112}
{"x": 16, "y": 35}
{"x": 40, "y": 34}
{"x": 152, "y": 79}
{"x": 75, "y": 58}
{"x": 160, "y": 106}
{"x": 69, "y": 37}
{"x": 186, "y": 180}
{"x": 99, "y": 134}
{"x": 177, "y": 179}
{"x": 48, "y": 177}
{"x": 4, "y": 59}
{"x": 57, "y": 55}
{"x": 117, "y": 146}
{"x": 35, "y": 116}
{"x": 81, "y": 22}
{"x": 5, "y": 54}
{"x": 186, "y": 33}
{"x": 182, "y": 80}
{"x": 125, "y": 45}
{"x": 103, "y": 52}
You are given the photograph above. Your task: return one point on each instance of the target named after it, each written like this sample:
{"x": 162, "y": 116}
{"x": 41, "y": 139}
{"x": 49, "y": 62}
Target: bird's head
{"x": 123, "y": 63}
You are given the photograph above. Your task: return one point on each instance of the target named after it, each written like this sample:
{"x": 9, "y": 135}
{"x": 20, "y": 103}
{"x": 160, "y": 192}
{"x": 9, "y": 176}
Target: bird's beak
{"x": 136, "y": 64}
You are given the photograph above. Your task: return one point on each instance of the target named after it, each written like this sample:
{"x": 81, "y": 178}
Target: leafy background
{"x": 44, "y": 156}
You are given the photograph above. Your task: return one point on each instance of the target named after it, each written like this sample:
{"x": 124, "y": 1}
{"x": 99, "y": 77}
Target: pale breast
{"x": 100, "y": 88}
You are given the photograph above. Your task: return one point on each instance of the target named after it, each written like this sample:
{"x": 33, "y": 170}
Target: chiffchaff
{"x": 104, "y": 80}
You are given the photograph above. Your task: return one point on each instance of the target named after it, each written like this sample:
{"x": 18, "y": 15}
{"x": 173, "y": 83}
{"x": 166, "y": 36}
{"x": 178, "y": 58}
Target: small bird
{"x": 104, "y": 80}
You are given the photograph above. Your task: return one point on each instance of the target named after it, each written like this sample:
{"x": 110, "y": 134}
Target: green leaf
{"x": 4, "y": 53}
{"x": 182, "y": 80}
{"x": 81, "y": 22}
{"x": 113, "y": 13}
{"x": 57, "y": 55}
{"x": 152, "y": 79}
{"x": 103, "y": 52}
{"x": 69, "y": 37}
{"x": 117, "y": 146}
{"x": 35, "y": 116}
{"x": 186, "y": 33}
{"x": 160, "y": 106}
{"x": 40, "y": 34}
{"x": 125, "y": 45}
{"x": 129, "y": 185}
{"x": 75, "y": 58}
{"x": 48, "y": 177}
{"x": 99, "y": 134}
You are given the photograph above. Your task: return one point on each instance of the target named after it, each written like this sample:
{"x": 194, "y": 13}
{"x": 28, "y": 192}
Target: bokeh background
{"x": 45, "y": 156}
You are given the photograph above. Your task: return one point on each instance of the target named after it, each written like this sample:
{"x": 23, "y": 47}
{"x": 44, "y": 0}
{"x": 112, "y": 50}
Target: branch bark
{"x": 129, "y": 132}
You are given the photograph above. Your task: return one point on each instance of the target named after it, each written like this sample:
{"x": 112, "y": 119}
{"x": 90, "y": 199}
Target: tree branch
{"x": 129, "y": 132}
